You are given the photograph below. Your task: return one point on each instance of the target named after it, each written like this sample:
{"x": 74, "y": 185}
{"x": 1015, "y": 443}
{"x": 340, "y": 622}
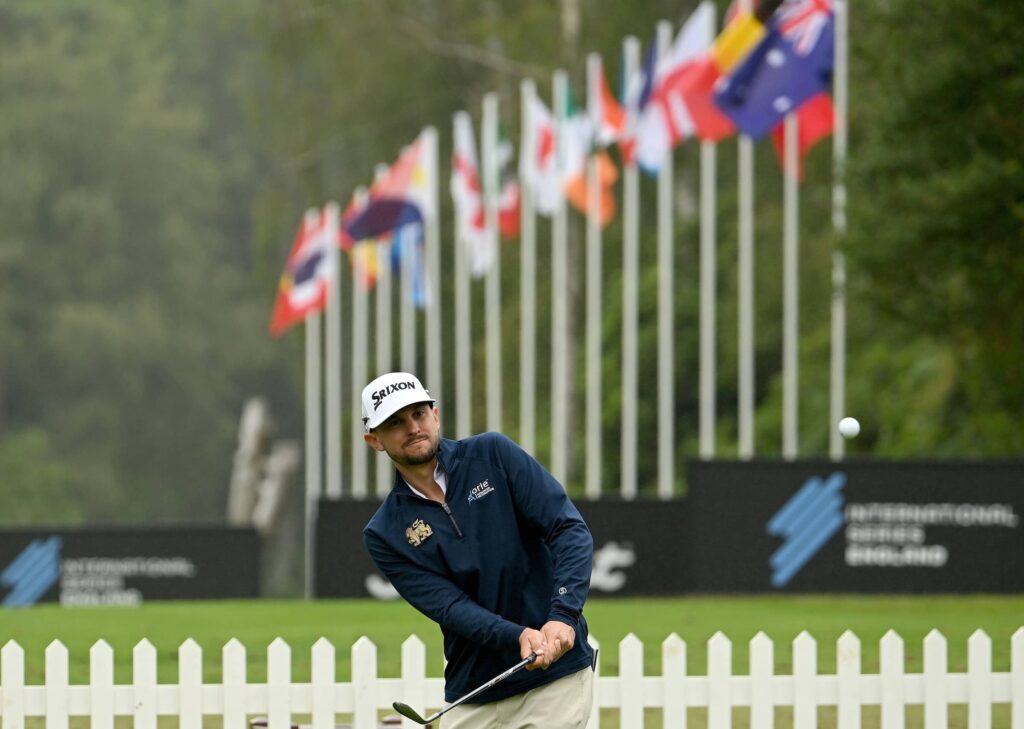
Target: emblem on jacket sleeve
{"x": 418, "y": 533}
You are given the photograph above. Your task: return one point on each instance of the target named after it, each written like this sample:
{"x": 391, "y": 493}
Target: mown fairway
{"x": 695, "y": 619}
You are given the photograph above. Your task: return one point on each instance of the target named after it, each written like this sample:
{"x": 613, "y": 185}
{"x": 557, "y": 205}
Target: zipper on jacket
{"x": 451, "y": 517}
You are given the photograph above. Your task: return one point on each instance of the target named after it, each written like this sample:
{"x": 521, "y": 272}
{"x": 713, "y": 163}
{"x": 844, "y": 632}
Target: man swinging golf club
{"x": 480, "y": 538}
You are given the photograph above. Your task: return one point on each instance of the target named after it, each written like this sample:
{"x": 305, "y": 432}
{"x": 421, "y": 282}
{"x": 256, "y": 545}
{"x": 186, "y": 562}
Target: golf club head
{"x": 408, "y": 712}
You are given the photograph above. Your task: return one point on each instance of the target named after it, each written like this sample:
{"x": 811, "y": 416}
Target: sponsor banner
{"x": 127, "y": 566}
{"x": 639, "y": 548}
{"x": 856, "y": 526}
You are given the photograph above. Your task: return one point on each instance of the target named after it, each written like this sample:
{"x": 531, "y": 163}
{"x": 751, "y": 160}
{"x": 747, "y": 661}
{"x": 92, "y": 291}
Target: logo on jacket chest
{"x": 418, "y": 533}
{"x": 479, "y": 491}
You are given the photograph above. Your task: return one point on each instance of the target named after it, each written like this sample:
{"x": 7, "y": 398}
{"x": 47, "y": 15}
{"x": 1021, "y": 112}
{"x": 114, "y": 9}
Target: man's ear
{"x": 373, "y": 441}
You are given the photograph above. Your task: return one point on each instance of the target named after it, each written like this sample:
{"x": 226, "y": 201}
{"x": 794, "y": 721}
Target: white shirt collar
{"x": 439, "y": 477}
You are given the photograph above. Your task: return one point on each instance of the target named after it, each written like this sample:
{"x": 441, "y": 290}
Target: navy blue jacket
{"x": 513, "y": 552}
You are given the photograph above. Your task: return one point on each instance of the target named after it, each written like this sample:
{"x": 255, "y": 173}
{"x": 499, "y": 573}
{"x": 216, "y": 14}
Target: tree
{"x": 130, "y": 333}
{"x": 36, "y": 483}
{"x": 936, "y": 180}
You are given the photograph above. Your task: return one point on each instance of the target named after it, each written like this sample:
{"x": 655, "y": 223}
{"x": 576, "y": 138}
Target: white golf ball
{"x": 849, "y": 427}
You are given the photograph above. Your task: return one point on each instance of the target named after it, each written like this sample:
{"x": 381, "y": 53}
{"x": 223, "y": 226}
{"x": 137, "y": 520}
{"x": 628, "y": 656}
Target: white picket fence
{"x": 673, "y": 691}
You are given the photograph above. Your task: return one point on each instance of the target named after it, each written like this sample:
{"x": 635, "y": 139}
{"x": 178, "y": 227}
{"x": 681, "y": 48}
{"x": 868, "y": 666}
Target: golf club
{"x": 410, "y": 713}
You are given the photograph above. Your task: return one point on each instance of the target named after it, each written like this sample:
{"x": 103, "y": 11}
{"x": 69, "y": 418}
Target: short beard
{"x": 418, "y": 460}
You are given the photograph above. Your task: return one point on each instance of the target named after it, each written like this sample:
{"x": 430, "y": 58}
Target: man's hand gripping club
{"x": 550, "y": 643}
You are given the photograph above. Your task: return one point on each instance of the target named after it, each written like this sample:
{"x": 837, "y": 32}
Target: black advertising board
{"x": 772, "y": 526}
{"x": 126, "y": 566}
{"x": 639, "y": 549}
{"x": 341, "y": 567}
{"x": 856, "y": 526}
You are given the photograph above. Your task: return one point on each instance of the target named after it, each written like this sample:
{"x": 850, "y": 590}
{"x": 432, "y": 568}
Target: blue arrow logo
{"x": 32, "y": 572}
{"x": 807, "y": 521}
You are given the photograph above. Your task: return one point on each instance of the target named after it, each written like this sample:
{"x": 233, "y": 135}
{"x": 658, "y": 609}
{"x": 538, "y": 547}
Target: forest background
{"x": 155, "y": 159}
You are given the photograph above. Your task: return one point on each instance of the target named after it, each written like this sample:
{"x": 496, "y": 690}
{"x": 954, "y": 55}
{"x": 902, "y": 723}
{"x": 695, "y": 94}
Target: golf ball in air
{"x": 849, "y": 427}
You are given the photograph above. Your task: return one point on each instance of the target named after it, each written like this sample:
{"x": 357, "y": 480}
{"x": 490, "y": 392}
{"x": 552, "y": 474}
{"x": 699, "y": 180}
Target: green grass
{"x": 695, "y": 619}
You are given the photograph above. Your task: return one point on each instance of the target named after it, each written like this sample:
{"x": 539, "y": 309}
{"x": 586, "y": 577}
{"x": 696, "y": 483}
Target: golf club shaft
{"x": 500, "y": 677}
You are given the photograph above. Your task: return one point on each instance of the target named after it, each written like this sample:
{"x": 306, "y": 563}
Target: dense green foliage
{"x": 938, "y": 233}
{"x": 157, "y": 156}
{"x": 130, "y": 321}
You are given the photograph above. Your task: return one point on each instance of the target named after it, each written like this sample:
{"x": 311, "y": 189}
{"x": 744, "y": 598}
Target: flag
{"x": 575, "y": 139}
{"x": 508, "y": 190}
{"x": 468, "y": 198}
{"x": 667, "y": 120}
{"x": 607, "y": 175}
{"x": 791, "y": 64}
{"x": 814, "y": 122}
{"x": 307, "y": 275}
{"x": 540, "y": 170}
{"x": 364, "y": 261}
{"x": 696, "y": 85}
{"x": 355, "y": 204}
{"x": 637, "y": 94}
{"x": 402, "y": 196}
{"x": 697, "y": 88}
{"x": 577, "y": 143}
{"x": 407, "y": 258}
{"x": 608, "y": 116}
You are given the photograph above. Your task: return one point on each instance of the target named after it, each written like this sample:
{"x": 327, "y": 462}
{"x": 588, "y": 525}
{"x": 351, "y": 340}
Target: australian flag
{"x": 792, "y": 64}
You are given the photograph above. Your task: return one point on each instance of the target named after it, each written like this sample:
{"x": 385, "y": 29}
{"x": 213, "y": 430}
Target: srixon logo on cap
{"x": 378, "y": 397}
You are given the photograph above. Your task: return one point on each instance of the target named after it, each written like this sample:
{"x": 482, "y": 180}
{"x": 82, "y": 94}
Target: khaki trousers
{"x": 561, "y": 704}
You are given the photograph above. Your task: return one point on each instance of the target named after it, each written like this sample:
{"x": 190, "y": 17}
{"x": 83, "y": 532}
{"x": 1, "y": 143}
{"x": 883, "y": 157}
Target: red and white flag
{"x": 468, "y": 197}
{"x": 668, "y": 118}
{"x": 508, "y": 191}
{"x": 539, "y": 170}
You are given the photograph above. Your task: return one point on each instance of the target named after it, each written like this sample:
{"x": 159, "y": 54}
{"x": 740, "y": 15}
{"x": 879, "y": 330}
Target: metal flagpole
{"x": 384, "y": 468}
{"x": 359, "y": 355}
{"x": 313, "y": 439}
{"x": 708, "y": 292}
{"x": 791, "y": 289}
{"x": 837, "y": 399}
{"x": 333, "y": 374}
{"x": 630, "y": 299}
{"x": 314, "y": 404}
{"x": 432, "y": 251}
{"x": 559, "y": 297}
{"x": 666, "y": 334}
{"x": 527, "y": 280}
{"x": 463, "y": 321}
{"x": 492, "y": 293}
{"x": 405, "y": 239}
{"x": 592, "y": 471}
{"x": 746, "y": 290}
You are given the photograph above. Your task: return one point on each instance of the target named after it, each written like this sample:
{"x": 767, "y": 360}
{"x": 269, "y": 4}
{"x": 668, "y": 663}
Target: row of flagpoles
{"x": 767, "y": 72}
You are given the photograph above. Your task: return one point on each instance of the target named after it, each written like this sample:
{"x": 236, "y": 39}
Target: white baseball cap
{"x": 388, "y": 394}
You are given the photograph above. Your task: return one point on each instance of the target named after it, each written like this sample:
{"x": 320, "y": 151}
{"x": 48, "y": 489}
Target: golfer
{"x": 481, "y": 539}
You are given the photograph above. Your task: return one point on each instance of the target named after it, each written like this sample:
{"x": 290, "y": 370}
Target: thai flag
{"x": 307, "y": 276}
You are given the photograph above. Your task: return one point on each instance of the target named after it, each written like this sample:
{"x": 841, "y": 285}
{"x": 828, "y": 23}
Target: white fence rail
{"x": 235, "y": 700}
